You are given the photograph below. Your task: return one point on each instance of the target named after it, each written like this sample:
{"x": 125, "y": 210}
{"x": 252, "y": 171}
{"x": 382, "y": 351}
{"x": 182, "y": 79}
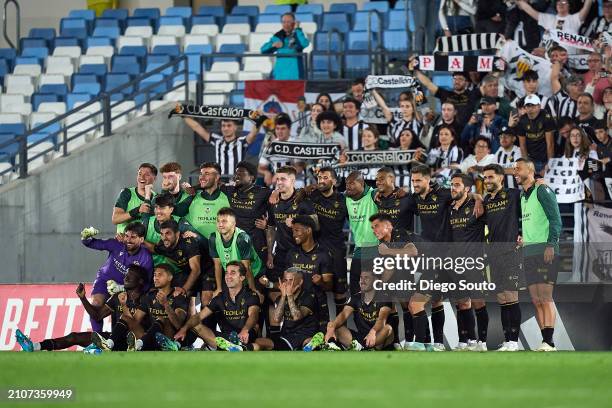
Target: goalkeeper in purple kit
{"x": 121, "y": 254}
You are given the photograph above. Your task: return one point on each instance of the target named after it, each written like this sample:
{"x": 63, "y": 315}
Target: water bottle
{"x": 92, "y": 351}
{"x": 233, "y": 338}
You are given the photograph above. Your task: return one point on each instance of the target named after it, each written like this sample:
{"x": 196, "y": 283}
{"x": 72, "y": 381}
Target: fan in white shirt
{"x": 482, "y": 156}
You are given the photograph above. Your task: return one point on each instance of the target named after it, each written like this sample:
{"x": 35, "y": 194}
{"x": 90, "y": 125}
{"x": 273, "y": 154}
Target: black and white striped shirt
{"x": 598, "y": 26}
{"x": 564, "y": 105}
{"x": 506, "y": 159}
{"x": 228, "y": 155}
{"x": 397, "y": 126}
{"x": 545, "y": 103}
{"x": 352, "y": 135}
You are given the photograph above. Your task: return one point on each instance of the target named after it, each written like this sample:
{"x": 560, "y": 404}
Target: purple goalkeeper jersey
{"x": 117, "y": 263}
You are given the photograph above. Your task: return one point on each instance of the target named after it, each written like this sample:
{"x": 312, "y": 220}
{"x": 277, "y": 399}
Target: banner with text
{"x": 562, "y": 177}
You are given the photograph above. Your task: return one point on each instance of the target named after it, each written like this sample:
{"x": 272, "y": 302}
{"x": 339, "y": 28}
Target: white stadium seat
{"x": 268, "y": 27}
{"x": 107, "y": 51}
{"x": 11, "y": 118}
{"x": 227, "y": 39}
{"x": 260, "y": 64}
{"x": 172, "y": 30}
{"x": 162, "y": 40}
{"x": 21, "y": 89}
{"x": 231, "y": 67}
{"x": 38, "y": 118}
{"x": 12, "y": 79}
{"x": 207, "y": 29}
{"x": 72, "y": 52}
{"x": 309, "y": 27}
{"x": 250, "y": 75}
{"x": 59, "y": 108}
{"x": 24, "y": 108}
{"x": 211, "y": 87}
{"x": 139, "y": 31}
{"x": 27, "y": 69}
{"x": 129, "y": 40}
{"x": 195, "y": 39}
{"x": 217, "y": 99}
{"x": 241, "y": 29}
{"x": 256, "y": 40}
{"x": 86, "y": 124}
{"x": 91, "y": 59}
{"x": 51, "y": 79}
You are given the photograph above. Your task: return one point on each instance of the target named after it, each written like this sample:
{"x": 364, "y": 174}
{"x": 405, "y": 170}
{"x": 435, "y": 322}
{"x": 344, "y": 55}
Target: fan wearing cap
{"x": 483, "y": 123}
{"x": 565, "y": 100}
{"x": 563, "y": 20}
{"x": 507, "y": 154}
{"x": 314, "y": 261}
{"x": 535, "y": 132}
{"x": 531, "y": 86}
{"x": 465, "y": 100}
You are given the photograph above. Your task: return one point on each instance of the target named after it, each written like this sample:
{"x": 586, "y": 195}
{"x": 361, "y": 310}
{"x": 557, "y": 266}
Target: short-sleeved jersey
{"x": 156, "y": 311}
{"x": 185, "y": 249}
{"x": 282, "y": 210}
{"x": 503, "y": 215}
{"x": 117, "y": 309}
{"x": 232, "y": 315}
{"x": 433, "y": 212}
{"x": 535, "y": 133}
{"x": 306, "y": 325}
{"x": 315, "y": 261}
{"x": 401, "y": 210}
{"x": 332, "y": 214}
{"x": 365, "y": 314}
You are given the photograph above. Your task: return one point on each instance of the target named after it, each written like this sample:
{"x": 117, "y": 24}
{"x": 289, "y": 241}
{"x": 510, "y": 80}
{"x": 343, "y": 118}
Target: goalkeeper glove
{"x": 89, "y": 232}
{"x": 113, "y": 287}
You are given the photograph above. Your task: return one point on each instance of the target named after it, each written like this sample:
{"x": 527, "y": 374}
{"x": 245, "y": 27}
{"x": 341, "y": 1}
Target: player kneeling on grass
{"x": 165, "y": 311}
{"x": 236, "y": 310}
{"x": 295, "y": 309}
{"x": 134, "y": 282}
{"x": 370, "y": 316}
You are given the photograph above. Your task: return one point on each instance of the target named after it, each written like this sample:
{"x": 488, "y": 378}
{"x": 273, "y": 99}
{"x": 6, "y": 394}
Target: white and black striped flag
{"x": 468, "y": 42}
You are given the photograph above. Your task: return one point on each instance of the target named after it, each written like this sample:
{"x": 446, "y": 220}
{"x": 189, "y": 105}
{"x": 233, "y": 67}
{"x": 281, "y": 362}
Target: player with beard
{"x": 203, "y": 207}
{"x": 373, "y": 332}
{"x": 330, "y": 207}
{"x": 467, "y": 235}
{"x": 393, "y": 201}
{"x": 122, "y": 253}
{"x": 134, "y": 284}
{"x": 315, "y": 263}
{"x": 236, "y": 309}
{"x": 172, "y": 173}
{"x": 541, "y": 227}
{"x": 250, "y": 204}
{"x": 502, "y": 215}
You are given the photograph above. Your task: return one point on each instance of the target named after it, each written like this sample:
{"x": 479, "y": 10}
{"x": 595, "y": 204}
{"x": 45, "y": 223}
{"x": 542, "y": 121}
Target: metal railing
{"x": 17, "y": 20}
{"x": 139, "y": 90}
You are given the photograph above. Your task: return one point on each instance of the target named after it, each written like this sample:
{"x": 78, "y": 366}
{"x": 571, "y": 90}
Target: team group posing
{"x": 256, "y": 258}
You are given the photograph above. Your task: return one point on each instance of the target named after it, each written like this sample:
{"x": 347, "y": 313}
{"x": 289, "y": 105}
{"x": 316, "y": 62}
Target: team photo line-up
{"x": 258, "y": 258}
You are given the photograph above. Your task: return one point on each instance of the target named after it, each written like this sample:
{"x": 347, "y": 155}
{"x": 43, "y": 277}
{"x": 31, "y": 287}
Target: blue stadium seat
{"x": 172, "y": 50}
{"x": 136, "y": 50}
{"x": 88, "y": 15}
{"x": 238, "y": 19}
{"x": 359, "y": 37}
{"x": 151, "y": 66}
{"x": 52, "y": 129}
{"x": 381, "y": 6}
{"x": 231, "y": 49}
{"x": 8, "y": 153}
{"x": 277, "y": 9}
{"x": 316, "y": 9}
{"x": 8, "y": 54}
{"x": 349, "y": 8}
{"x": 251, "y": 11}
{"x": 4, "y": 69}
{"x": 268, "y": 18}
{"x": 73, "y": 23}
{"x": 157, "y": 59}
{"x": 38, "y": 98}
{"x": 237, "y": 98}
{"x": 126, "y": 64}
{"x": 89, "y": 88}
{"x": 28, "y": 61}
{"x": 171, "y": 20}
{"x": 139, "y": 22}
{"x": 193, "y": 53}
{"x": 110, "y": 32}
{"x": 45, "y": 33}
{"x": 99, "y": 41}
{"x": 81, "y": 78}
{"x": 67, "y": 42}
{"x": 55, "y": 89}
{"x": 80, "y": 33}
{"x": 396, "y": 40}
{"x": 150, "y": 13}
{"x": 361, "y": 22}
{"x": 98, "y": 70}
{"x": 118, "y": 14}
{"x": 32, "y": 43}
{"x": 397, "y": 20}
{"x": 358, "y": 65}
{"x": 338, "y": 21}
{"x": 400, "y": 5}
{"x": 184, "y": 12}
{"x": 73, "y": 98}
{"x": 195, "y": 20}
{"x": 42, "y": 136}
{"x": 155, "y": 89}
{"x": 305, "y": 17}
{"x": 38, "y": 52}
{"x": 107, "y": 22}
{"x": 323, "y": 63}
{"x": 115, "y": 80}
{"x": 215, "y": 11}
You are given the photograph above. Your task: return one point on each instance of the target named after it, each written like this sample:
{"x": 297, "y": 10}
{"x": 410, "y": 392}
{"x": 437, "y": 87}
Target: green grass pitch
{"x": 319, "y": 379}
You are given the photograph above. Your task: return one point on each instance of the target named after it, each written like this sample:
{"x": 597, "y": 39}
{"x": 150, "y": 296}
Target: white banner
{"x": 562, "y": 177}
{"x": 390, "y": 81}
{"x": 518, "y": 61}
{"x": 600, "y": 248}
{"x": 571, "y": 40}
{"x": 578, "y": 61}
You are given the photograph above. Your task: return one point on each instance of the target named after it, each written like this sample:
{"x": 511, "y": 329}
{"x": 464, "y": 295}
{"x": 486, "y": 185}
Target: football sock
{"x": 482, "y": 319}
{"x": 514, "y": 321}
{"x": 408, "y": 326}
{"x": 437, "y": 324}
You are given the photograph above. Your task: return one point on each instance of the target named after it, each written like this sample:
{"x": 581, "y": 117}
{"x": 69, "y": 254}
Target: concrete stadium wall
{"x": 41, "y": 216}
